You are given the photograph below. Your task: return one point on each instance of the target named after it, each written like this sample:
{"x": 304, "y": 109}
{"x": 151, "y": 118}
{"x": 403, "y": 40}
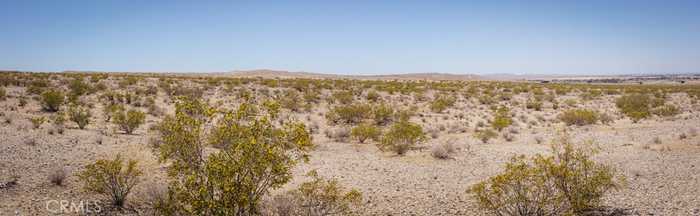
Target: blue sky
{"x": 353, "y": 37}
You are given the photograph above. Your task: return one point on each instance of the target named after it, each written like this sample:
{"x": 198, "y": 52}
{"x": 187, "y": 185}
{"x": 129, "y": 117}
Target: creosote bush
{"x": 321, "y": 196}
{"x": 112, "y": 178}
{"x": 3, "y": 94}
{"x": 52, "y": 100}
{"x": 501, "y": 119}
{"x": 363, "y": 132}
{"x": 485, "y": 135}
{"x": 441, "y": 103}
{"x": 402, "y": 136}
{"x": 130, "y": 120}
{"x": 80, "y": 115}
{"x": 637, "y": 106}
{"x": 567, "y": 183}
{"x": 579, "y": 117}
{"x": 255, "y": 155}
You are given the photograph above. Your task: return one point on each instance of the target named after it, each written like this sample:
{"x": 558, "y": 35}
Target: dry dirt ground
{"x": 660, "y": 158}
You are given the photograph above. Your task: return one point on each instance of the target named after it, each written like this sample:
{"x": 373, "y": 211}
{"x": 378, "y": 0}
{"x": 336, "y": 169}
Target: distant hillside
{"x": 415, "y": 76}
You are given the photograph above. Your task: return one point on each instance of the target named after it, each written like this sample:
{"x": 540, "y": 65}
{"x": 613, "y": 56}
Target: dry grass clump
{"x": 341, "y": 134}
{"x": 58, "y": 175}
{"x": 443, "y": 150}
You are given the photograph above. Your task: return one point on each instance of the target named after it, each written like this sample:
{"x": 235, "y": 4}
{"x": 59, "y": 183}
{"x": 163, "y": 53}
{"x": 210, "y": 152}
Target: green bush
{"x": 567, "y": 183}
{"x": 534, "y": 104}
{"x": 349, "y": 114}
{"x": 112, "y": 178}
{"x": 80, "y": 115}
{"x": 485, "y": 135}
{"x": 441, "y": 103}
{"x": 342, "y": 97}
{"x": 37, "y": 121}
{"x": 382, "y": 114}
{"x": 401, "y": 137}
{"x": 255, "y": 157}
{"x": 635, "y": 106}
{"x": 579, "y": 117}
{"x": 373, "y": 96}
{"x": 110, "y": 110}
{"x": 52, "y": 100}
{"x": 326, "y": 197}
{"x": 130, "y": 120}
{"x": 365, "y": 131}
{"x": 501, "y": 119}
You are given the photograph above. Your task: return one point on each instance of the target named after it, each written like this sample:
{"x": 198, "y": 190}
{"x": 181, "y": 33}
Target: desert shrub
{"x": 363, "y": 132}
{"x": 443, "y": 150}
{"x": 110, "y": 110}
{"x": 320, "y": 197}
{"x": 290, "y": 100}
{"x": 579, "y": 117}
{"x": 634, "y": 106}
{"x": 382, "y": 114}
{"x": 3, "y": 94}
{"x": 112, "y": 178}
{"x": 78, "y": 87}
{"x": 37, "y": 121}
{"x": 402, "y": 136}
{"x": 341, "y": 134}
{"x": 501, "y": 119}
{"x": 130, "y": 120}
{"x": 567, "y": 183}
{"x": 441, "y": 103}
{"x": 80, "y": 115}
{"x": 373, "y": 96}
{"x": 485, "y": 135}
{"x": 534, "y": 104}
{"x": 57, "y": 176}
{"x": 342, "y": 97}
{"x": 52, "y": 100}
{"x": 348, "y": 114}
{"x": 666, "y": 110}
{"x": 256, "y": 156}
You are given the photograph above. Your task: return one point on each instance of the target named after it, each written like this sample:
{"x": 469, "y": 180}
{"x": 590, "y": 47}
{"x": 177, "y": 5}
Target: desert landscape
{"x": 91, "y": 143}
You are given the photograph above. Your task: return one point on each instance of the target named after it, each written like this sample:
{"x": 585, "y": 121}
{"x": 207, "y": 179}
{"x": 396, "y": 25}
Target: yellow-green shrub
{"x": 579, "y": 117}
{"x": 666, "y": 110}
{"x": 441, "y": 103}
{"x": 363, "y": 132}
{"x": 52, "y": 100}
{"x": 112, "y": 178}
{"x": 326, "y": 197}
{"x": 567, "y": 183}
{"x": 348, "y": 114}
{"x": 80, "y": 115}
{"x": 401, "y": 137}
{"x": 130, "y": 120}
{"x": 255, "y": 156}
{"x": 635, "y": 106}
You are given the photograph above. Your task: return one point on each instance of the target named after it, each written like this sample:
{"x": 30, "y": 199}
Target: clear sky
{"x": 353, "y": 37}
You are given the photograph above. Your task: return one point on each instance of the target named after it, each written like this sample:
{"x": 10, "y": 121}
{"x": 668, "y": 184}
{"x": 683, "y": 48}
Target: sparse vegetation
{"x": 130, "y": 120}
{"x": 579, "y": 117}
{"x": 52, "y": 100}
{"x": 363, "y": 132}
{"x": 80, "y": 115}
{"x": 401, "y": 137}
{"x": 112, "y": 178}
{"x": 567, "y": 183}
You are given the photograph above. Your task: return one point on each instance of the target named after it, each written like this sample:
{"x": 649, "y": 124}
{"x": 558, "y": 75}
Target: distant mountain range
{"x": 411, "y": 76}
